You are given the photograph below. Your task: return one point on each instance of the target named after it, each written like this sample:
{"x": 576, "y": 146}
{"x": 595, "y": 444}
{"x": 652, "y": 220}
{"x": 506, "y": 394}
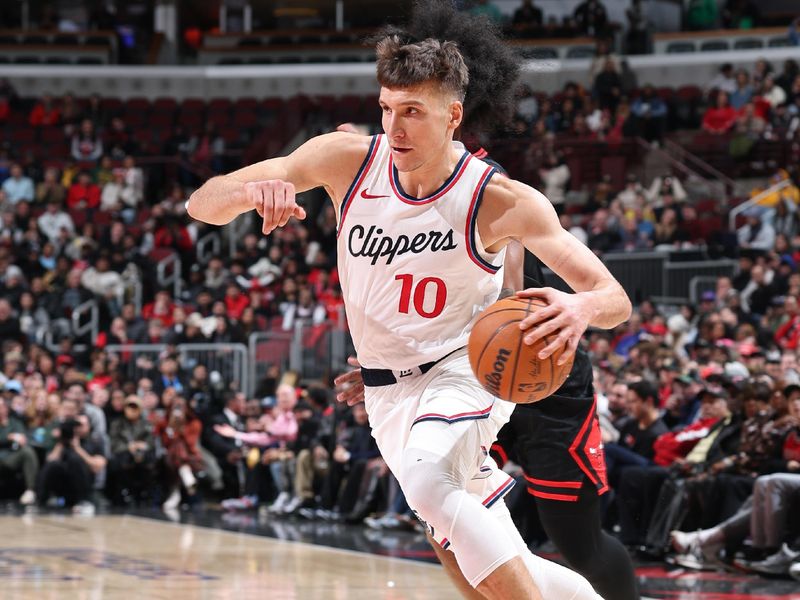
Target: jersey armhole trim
{"x": 472, "y": 223}
{"x": 358, "y": 180}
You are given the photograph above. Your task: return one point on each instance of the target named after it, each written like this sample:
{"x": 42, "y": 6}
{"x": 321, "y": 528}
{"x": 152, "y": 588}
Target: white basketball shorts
{"x": 449, "y": 394}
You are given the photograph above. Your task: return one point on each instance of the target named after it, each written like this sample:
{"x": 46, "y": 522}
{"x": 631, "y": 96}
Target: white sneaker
{"x": 682, "y": 541}
{"x": 280, "y": 502}
{"x": 173, "y": 501}
{"x": 778, "y": 563}
{"x": 28, "y": 498}
{"x": 84, "y": 509}
{"x": 794, "y": 570}
{"x": 292, "y": 505}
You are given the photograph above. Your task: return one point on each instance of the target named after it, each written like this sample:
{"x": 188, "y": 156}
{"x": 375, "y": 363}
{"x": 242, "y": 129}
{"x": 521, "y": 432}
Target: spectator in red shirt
{"x": 719, "y": 118}
{"x": 161, "y": 309}
{"x": 235, "y": 301}
{"x": 788, "y": 335}
{"x": 45, "y": 113}
{"x": 83, "y": 193}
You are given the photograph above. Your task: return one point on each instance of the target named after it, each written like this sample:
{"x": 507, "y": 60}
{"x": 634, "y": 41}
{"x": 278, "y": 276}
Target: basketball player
{"x": 422, "y": 232}
{"x": 556, "y": 440}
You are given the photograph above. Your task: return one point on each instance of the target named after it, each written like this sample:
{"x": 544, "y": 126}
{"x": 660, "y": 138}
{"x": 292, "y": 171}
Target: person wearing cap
{"x": 15, "y": 453}
{"x": 132, "y": 461}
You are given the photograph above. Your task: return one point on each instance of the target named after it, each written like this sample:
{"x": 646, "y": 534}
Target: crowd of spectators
{"x": 697, "y": 399}
{"x": 749, "y": 106}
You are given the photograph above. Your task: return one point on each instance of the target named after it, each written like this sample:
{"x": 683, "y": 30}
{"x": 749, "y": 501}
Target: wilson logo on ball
{"x": 494, "y": 378}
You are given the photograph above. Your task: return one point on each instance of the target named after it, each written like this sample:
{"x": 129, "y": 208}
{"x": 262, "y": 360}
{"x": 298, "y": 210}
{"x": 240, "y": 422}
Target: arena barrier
{"x": 661, "y": 276}
{"x": 229, "y": 360}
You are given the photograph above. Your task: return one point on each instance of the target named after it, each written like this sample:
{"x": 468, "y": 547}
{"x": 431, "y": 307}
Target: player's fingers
{"x": 572, "y": 346}
{"x": 542, "y": 331}
{"x": 299, "y": 212}
{"x": 356, "y": 399}
{"x": 558, "y": 342}
{"x": 539, "y": 316}
{"x": 279, "y": 201}
{"x": 351, "y": 377}
{"x": 266, "y": 210}
{"x": 546, "y": 293}
{"x": 353, "y": 361}
{"x": 289, "y": 203}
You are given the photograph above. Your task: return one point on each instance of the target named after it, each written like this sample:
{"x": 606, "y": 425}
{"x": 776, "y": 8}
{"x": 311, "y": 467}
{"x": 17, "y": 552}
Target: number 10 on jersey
{"x": 419, "y": 290}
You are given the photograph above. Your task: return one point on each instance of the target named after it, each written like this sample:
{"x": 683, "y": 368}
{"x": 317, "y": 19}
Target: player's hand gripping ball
{"x": 506, "y": 366}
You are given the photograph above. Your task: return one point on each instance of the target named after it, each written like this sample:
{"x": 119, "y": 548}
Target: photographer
{"x": 71, "y": 466}
{"x": 16, "y": 454}
{"x": 132, "y": 458}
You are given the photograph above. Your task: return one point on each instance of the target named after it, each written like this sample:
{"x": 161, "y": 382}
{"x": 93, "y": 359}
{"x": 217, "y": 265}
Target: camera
{"x": 68, "y": 431}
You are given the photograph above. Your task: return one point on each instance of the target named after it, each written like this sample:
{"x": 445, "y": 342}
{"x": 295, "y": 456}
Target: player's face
{"x": 419, "y": 122}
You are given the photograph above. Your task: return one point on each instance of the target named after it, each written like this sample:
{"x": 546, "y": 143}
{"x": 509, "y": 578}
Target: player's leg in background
{"x": 574, "y": 527}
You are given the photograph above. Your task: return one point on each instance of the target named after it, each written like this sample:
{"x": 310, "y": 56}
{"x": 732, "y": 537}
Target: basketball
{"x": 504, "y": 364}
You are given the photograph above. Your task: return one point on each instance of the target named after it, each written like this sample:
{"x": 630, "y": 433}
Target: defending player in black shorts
{"x": 556, "y": 441}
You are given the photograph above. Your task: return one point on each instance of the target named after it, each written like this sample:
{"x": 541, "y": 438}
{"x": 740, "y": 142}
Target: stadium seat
{"x": 98, "y": 40}
{"x": 27, "y": 60}
{"x": 66, "y": 40}
{"x": 245, "y": 104}
{"x": 89, "y": 60}
{"x": 219, "y": 104}
{"x": 164, "y": 105}
{"x": 581, "y": 52}
{"x": 193, "y": 104}
{"x": 779, "y": 42}
{"x": 680, "y": 47}
{"x": 57, "y": 60}
{"x": 539, "y": 52}
{"x": 714, "y": 46}
{"x": 38, "y": 40}
{"x": 230, "y": 60}
{"x": 748, "y": 44}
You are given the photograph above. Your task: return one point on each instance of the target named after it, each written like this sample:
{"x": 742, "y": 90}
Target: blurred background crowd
{"x": 699, "y": 402}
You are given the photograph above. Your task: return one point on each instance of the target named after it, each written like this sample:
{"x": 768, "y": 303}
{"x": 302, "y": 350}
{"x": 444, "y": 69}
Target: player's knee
{"x": 424, "y": 484}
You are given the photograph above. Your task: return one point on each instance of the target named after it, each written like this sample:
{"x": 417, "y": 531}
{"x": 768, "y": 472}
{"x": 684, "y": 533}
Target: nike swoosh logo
{"x": 367, "y": 196}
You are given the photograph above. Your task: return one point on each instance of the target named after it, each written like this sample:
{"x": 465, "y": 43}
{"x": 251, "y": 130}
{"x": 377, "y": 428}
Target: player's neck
{"x": 428, "y": 178}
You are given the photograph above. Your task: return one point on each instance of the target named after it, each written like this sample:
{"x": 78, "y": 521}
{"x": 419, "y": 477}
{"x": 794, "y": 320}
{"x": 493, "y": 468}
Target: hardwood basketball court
{"x": 123, "y": 557}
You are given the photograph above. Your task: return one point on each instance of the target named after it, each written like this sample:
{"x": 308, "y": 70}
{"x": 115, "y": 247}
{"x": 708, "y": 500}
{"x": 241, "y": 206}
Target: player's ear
{"x": 456, "y": 114}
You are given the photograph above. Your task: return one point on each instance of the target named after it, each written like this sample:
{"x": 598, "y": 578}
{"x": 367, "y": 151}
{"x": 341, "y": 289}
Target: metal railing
{"x": 755, "y": 200}
{"x": 237, "y": 230}
{"x": 231, "y": 361}
{"x": 168, "y": 272}
{"x": 313, "y": 351}
{"x": 90, "y": 326}
{"x": 656, "y": 275}
{"x": 700, "y": 284}
{"x": 208, "y": 246}
{"x": 701, "y": 166}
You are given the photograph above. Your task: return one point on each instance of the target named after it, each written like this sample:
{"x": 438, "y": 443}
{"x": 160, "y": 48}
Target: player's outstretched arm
{"x": 329, "y": 161}
{"x": 516, "y": 211}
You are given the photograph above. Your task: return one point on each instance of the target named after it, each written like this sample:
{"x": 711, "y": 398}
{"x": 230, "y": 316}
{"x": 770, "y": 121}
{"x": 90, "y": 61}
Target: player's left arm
{"x": 514, "y": 211}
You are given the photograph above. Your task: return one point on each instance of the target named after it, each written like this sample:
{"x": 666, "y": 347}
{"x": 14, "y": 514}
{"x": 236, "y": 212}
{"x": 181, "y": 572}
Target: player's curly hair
{"x": 492, "y": 64}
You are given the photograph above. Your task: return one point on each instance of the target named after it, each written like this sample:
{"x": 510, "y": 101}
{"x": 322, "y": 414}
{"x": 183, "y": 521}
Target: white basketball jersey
{"x": 413, "y": 271}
